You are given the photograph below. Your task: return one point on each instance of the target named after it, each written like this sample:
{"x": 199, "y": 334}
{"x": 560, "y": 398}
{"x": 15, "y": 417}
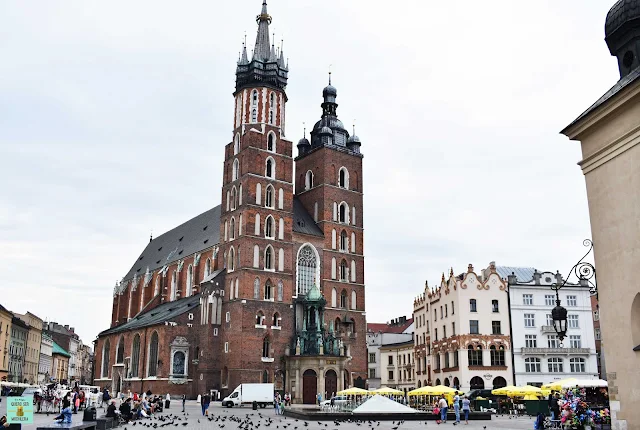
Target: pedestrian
{"x": 202, "y": 404}
{"x": 184, "y": 400}
{"x": 319, "y": 397}
{"x": 105, "y": 398}
{"x": 465, "y": 408}
{"x": 207, "y": 401}
{"x": 550, "y": 401}
{"x": 443, "y": 409}
{"x": 456, "y": 407}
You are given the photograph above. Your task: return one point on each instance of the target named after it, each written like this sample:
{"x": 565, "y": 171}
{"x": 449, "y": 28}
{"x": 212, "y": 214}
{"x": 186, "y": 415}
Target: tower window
{"x": 236, "y": 170}
{"x": 270, "y": 168}
{"x": 308, "y": 269}
{"x": 271, "y": 142}
{"x": 343, "y": 299}
{"x": 254, "y": 115}
{"x": 269, "y": 227}
{"x": 232, "y": 224}
{"x": 236, "y": 144}
{"x": 265, "y": 347}
{"x": 269, "y": 196}
{"x": 343, "y": 213}
{"x": 268, "y": 291}
{"x": 344, "y": 271}
{"x": 344, "y": 246}
{"x": 343, "y": 178}
{"x": 268, "y": 258}
{"x": 272, "y": 109}
{"x": 308, "y": 183}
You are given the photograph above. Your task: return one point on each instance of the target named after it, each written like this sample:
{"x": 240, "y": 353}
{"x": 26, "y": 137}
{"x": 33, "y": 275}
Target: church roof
{"x": 618, "y": 87}
{"x": 197, "y": 234}
{"x": 166, "y": 312}
{"x": 200, "y": 233}
{"x": 302, "y": 221}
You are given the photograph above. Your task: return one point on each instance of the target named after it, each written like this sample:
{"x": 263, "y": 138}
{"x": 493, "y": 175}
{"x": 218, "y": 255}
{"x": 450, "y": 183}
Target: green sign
{"x": 20, "y": 410}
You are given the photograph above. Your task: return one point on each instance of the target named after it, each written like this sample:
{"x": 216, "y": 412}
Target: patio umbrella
{"x": 422, "y": 391}
{"x": 502, "y": 391}
{"x": 389, "y": 391}
{"x": 353, "y": 391}
{"x": 530, "y": 397}
{"x": 558, "y": 385}
{"x": 525, "y": 390}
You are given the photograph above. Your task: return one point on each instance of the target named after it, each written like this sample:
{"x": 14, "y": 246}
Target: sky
{"x": 114, "y": 115}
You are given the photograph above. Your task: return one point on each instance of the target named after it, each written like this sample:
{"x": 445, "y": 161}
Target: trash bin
{"x": 167, "y": 403}
{"x": 90, "y": 414}
{"x": 254, "y": 405}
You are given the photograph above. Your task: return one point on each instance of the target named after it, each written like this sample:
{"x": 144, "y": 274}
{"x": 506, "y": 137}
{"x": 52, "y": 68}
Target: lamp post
{"x": 585, "y": 272}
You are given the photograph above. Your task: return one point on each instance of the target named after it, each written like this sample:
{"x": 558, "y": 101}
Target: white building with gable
{"x": 539, "y": 356}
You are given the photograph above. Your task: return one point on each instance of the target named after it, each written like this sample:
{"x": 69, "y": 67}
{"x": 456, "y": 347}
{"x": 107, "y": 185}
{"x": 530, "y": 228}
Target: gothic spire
{"x": 244, "y": 59}
{"x": 262, "y": 50}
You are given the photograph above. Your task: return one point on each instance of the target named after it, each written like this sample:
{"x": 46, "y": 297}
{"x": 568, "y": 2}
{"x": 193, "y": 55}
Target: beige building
{"x": 469, "y": 331}
{"x": 60, "y": 365}
{"x": 422, "y": 338}
{"x": 609, "y": 132}
{"x": 5, "y": 340}
{"x": 398, "y": 366}
{"x": 32, "y": 351}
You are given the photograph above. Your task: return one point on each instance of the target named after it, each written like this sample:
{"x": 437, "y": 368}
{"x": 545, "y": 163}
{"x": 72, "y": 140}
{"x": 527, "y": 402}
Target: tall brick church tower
{"x": 294, "y": 301}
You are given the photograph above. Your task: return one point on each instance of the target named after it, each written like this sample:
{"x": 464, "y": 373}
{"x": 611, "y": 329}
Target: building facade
{"x": 5, "y": 342}
{"x": 539, "y": 356}
{"x": 32, "y": 351}
{"x": 84, "y": 364}
{"x": 609, "y": 132}
{"x": 45, "y": 364}
{"x": 397, "y": 331}
{"x": 469, "y": 324}
{"x": 268, "y": 286}
{"x": 595, "y": 309}
{"x": 422, "y": 338}
{"x": 17, "y": 349}
{"x": 397, "y": 363}
{"x": 60, "y": 364}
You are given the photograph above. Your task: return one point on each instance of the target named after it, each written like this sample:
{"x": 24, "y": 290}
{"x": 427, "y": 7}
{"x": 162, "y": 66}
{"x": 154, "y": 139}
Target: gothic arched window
{"x": 231, "y": 264}
{"x": 174, "y": 285}
{"x": 207, "y": 268}
{"x": 105, "y": 358}
{"x": 135, "y": 356}
{"x": 344, "y": 246}
{"x": 269, "y": 196}
{"x": 308, "y": 183}
{"x": 153, "y": 355}
{"x": 344, "y": 275}
{"x": 343, "y": 213}
{"x": 343, "y": 179}
{"x": 266, "y": 345}
{"x": 268, "y": 290}
{"x": 236, "y": 170}
{"x": 343, "y": 299}
{"x": 268, "y": 258}
{"x": 270, "y": 168}
{"x": 236, "y": 144}
{"x": 308, "y": 269}
{"x": 269, "y": 227}
{"x": 271, "y": 142}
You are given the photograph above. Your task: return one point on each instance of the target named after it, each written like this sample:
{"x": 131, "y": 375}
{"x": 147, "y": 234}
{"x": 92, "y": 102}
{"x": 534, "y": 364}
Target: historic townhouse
{"x": 268, "y": 286}
{"x": 422, "y": 337}
{"x": 468, "y": 319}
{"x": 539, "y": 356}
{"x": 380, "y": 335}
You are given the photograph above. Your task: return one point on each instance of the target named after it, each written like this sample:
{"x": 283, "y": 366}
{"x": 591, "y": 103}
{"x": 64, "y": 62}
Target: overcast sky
{"x": 114, "y": 115}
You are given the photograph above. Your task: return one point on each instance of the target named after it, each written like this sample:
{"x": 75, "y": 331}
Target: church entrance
{"x": 309, "y": 387}
{"x": 330, "y": 383}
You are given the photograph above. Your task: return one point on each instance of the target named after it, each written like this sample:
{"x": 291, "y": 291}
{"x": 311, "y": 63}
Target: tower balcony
{"x": 317, "y": 342}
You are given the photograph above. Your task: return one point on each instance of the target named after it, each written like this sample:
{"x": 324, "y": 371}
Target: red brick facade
{"x": 236, "y": 347}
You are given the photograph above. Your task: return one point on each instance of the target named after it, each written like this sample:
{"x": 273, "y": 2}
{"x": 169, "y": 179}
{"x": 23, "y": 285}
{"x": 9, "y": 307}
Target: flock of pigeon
{"x": 253, "y": 421}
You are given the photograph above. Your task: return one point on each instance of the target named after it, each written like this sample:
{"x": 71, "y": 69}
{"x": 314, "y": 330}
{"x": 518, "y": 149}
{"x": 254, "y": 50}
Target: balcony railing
{"x": 547, "y": 329}
{"x": 544, "y": 351}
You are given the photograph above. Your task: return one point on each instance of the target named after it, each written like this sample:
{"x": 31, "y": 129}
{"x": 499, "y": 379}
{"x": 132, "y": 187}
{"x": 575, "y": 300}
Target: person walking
{"x": 207, "y": 402}
{"x": 444, "y": 406}
{"x": 184, "y": 400}
{"x": 202, "y": 404}
{"x": 550, "y": 401}
{"x": 105, "y": 398}
{"x": 466, "y": 408}
{"x": 456, "y": 407}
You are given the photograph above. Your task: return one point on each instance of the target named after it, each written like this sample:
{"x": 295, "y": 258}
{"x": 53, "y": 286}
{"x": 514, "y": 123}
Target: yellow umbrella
{"x": 422, "y": 391}
{"x": 353, "y": 391}
{"x": 530, "y": 397}
{"x": 441, "y": 389}
{"x": 523, "y": 391}
{"x": 502, "y": 391}
{"x": 557, "y": 385}
{"x": 387, "y": 390}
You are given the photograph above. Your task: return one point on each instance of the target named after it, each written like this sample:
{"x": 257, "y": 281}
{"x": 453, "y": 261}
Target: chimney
{"x": 72, "y": 329}
{"x": 66, "y": 326}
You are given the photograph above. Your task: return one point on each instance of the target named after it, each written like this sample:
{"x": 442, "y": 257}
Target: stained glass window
{"x": 307, "y": 268}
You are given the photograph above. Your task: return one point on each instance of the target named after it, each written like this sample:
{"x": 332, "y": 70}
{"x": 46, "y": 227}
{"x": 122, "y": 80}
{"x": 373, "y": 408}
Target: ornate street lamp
{"x": 585, "y": 272}
{"x": 559, "y": 315}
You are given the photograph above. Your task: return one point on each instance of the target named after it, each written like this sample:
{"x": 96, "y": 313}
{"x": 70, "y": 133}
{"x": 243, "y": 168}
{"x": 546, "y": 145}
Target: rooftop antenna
{"x": 151, "y": 236}
{"x": 354, "y": 126}
{"x": 329, "y": 74}
{"x": 304, "y": 129}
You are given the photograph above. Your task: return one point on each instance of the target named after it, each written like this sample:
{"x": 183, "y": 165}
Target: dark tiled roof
{"x": 620, "y": 13}
{"x": 302, "y": 221}
{"x": 194, "y": 235}
{"x": 17, "y": 321}
{"x": 158, "y": 315}
{"x": 619, "y": 86}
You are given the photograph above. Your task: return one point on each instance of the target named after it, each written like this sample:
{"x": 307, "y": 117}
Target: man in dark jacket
{"x": 111, "y": 409}
{"x": 125, "y": 410}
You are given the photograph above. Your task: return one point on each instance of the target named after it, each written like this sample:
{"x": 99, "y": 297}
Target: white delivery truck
{"x": 262, "y": 394}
